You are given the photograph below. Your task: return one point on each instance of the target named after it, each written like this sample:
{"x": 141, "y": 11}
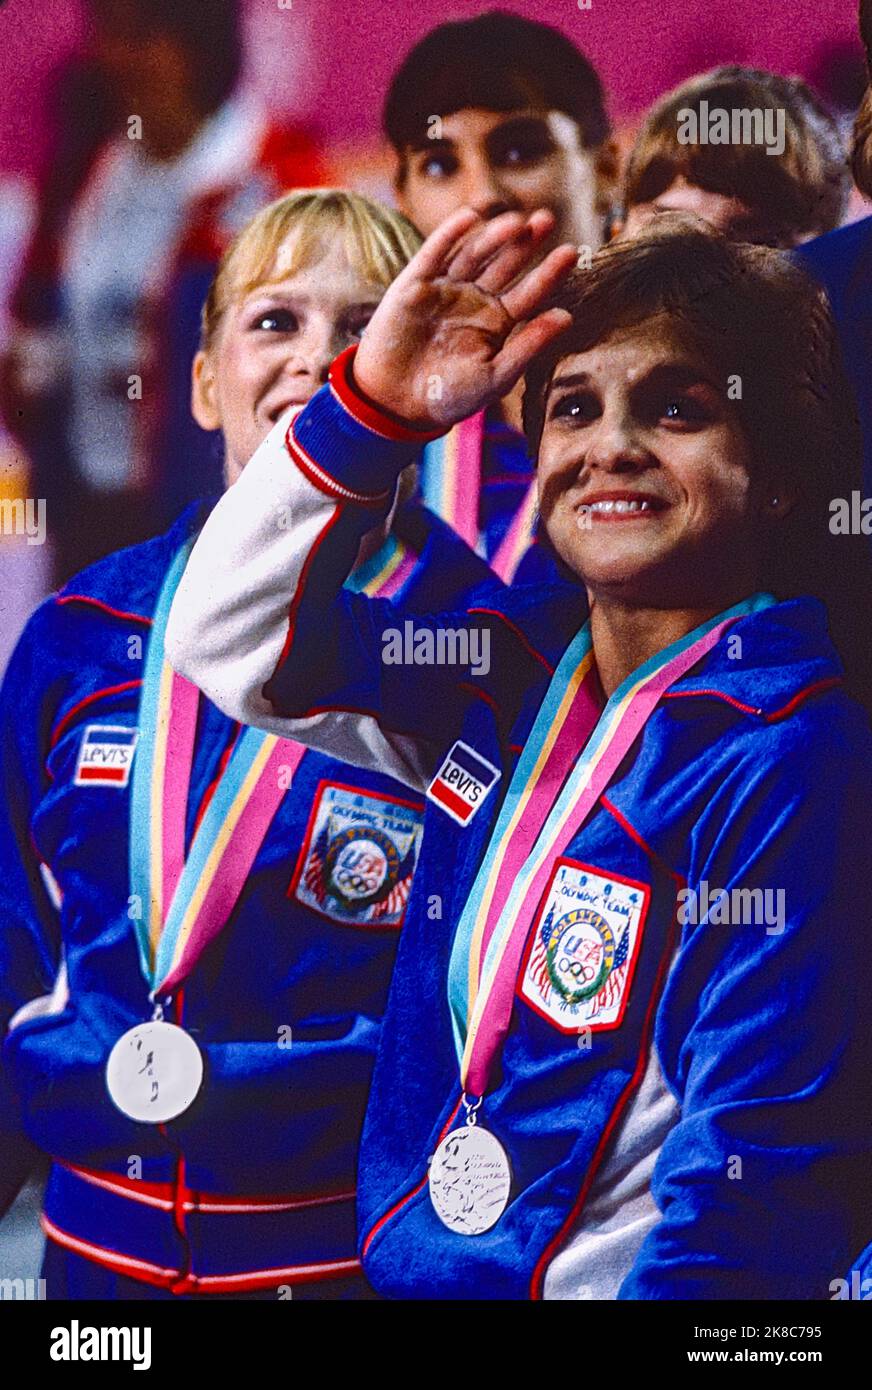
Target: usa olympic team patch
{"x": 581, "y": 956}
{"x": 359, "y": 857}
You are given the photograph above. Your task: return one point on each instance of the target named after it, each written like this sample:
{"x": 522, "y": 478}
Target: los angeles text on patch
{"x": 105, "y": 756}
{"x": 581, "y": 956}
{"x": 462, "y": 783}
{"x": 358, "y": 857}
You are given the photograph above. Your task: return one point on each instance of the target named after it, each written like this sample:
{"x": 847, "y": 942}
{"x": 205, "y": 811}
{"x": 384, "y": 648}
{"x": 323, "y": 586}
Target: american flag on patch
{"x": 313, "y": 876}
{"x": 395, "y": 902}
{"x": 611, "y": 990}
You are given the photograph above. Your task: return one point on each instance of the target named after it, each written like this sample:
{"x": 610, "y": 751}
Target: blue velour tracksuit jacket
{"x": 716, "y": 1141}
{"x": 253, "y": 1186}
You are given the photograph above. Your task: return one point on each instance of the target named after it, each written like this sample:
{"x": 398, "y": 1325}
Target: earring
{"x": 774, "y": 502}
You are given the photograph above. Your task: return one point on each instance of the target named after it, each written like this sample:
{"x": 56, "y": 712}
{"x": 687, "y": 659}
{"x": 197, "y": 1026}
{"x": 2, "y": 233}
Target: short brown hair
{"x": 746, "y": 312}
{"x": 497, "y": 62}
{"x": 802, "y": 192}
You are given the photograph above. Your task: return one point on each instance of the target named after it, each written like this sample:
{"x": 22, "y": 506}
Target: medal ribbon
{"x": 451, "y": 477}
{"x": 553, "y": 790}
{"x": 451, "y": 485}
{"x": 519, "y": 537}
{"x": 187, "y": 902}
{"x": 384, "y": 575}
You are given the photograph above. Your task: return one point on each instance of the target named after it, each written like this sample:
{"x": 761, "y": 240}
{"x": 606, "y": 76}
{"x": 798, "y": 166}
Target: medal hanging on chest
{"x": 154, "y": 1072}
{"x": 470, "y": 1178}
{"x": 574, "y": 749}
{"x": 155, "y": 1069}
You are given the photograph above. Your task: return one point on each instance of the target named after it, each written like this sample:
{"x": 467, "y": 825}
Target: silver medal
{"x": 470, "y": 1180}
{"x": 154, "y": 1071}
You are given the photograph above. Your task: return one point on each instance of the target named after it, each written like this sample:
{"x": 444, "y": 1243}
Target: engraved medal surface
{"x": 154, "y": 1071}
{"x": 470, "y": 1179}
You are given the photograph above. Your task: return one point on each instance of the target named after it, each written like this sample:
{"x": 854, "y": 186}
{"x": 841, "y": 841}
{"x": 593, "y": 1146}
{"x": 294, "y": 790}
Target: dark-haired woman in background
{"x": 522, "y": 124}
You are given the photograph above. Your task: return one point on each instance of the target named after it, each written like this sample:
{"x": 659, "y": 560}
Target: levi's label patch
{"x": 359, "y": 857}
{"x": 579, "y": 962}
{"x": 462, "y": 783}
{"x": 105, "y": 756}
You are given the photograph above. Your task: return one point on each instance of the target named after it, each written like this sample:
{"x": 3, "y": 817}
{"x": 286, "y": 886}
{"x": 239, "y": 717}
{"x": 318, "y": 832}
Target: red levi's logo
{"x": 105, "y": 756}
{"x": 462, "y": 783}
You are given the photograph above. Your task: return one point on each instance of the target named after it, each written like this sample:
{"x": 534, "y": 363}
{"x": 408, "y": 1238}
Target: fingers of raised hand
{"x": 484, "y": 243}
{"x": 515, "y": 254}
{"x": 524, "y": 343}
{"x": 524, "y": 298}
{"x": 434, "y": 257}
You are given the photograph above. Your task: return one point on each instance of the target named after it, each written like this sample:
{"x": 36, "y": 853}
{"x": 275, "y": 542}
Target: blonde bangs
{"x": 293, "y": 234}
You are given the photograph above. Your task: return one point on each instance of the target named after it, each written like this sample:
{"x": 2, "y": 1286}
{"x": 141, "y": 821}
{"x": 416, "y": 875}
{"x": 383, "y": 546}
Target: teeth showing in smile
{"x": 617, "y": 506}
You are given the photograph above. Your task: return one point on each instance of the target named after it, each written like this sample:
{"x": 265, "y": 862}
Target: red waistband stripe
{"x": 161, "y": 1195}
{"x": 181, "y": 1283}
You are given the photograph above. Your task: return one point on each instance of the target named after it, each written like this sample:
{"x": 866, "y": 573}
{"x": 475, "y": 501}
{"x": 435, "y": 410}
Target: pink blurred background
{"x": 327, "y": 62}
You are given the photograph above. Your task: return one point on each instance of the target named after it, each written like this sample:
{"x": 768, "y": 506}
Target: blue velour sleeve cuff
{"x": 347, "y": 446}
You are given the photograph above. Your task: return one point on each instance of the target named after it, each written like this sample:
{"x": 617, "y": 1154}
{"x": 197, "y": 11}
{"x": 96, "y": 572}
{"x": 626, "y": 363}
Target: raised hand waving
{"x": 458, "y": 326}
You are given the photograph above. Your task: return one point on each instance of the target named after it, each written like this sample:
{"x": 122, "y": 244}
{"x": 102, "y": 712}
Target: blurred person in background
{"x": 78, "y": 108}
{"x": 838, "y": 75}
{"x": 783, "y": 189}
{"x": 24, "y": 571}
{"x": 171, "y": 159}
{"x": 842, "y": 262}
{"x": 498, "y": 114}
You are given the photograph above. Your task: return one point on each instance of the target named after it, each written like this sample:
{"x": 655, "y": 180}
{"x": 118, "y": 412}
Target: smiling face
{"x": 274, "y": 347}
{"x": 644, "y": 473}
{"x": 495, "y": 162}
